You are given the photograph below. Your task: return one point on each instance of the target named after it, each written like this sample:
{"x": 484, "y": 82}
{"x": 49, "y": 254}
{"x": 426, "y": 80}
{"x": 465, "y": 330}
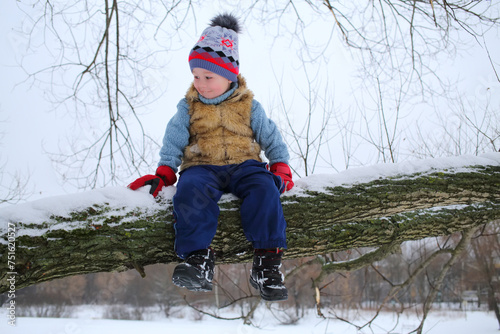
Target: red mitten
{"x": 165, "y": 176}
{"x": 283, "y": 171}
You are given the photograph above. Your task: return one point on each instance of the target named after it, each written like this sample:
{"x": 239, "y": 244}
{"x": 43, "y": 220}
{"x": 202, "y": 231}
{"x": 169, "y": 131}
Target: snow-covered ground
{"x": 439, "y": 322}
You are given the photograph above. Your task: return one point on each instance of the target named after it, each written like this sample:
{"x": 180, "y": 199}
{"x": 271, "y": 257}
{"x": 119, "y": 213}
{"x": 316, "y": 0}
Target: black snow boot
{"x": 266, "y": 275}
{"x": 197, "y": 272}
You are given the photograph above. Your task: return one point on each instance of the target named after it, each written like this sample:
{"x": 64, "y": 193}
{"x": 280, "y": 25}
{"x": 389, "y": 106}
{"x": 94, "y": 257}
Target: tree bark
{"x": 381, "y": 213}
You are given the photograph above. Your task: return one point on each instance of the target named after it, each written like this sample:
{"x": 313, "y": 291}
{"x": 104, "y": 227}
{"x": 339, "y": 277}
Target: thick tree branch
{"x": 380, "y": 213}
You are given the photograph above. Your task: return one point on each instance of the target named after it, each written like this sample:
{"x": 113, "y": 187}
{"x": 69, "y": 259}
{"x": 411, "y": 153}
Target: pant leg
{"x": 195, "y": 209}
{"x": 261, "y": 211}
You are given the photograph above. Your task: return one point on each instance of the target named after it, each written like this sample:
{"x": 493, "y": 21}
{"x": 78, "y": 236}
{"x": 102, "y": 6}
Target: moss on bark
{"x": 374, "y": 214}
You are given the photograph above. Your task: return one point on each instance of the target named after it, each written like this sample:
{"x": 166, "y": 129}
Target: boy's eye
{"x": 208, "y": 78}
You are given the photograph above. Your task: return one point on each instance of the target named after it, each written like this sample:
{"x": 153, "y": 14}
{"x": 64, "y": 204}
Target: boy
{"x": 216, "y": 138}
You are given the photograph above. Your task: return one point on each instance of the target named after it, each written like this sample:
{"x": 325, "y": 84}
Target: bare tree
{"x": 471, "y": 128}
{"x": 486, "y": 252}
{"x": 101, "y": 73}
{"x": 306, "y": 126}
{"x": 102, "y": 53}
{"x": 13, "y": 187}
{"x": 102, "y": 64}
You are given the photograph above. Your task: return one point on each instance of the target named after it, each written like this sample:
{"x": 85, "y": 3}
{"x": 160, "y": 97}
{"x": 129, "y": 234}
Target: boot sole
{"x": 186, "y": 277}
{"x": 267, "y": 298}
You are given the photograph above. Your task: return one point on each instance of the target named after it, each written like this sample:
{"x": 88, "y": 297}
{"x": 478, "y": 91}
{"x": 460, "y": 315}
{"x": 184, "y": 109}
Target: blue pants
{"x": 196, "y": 211}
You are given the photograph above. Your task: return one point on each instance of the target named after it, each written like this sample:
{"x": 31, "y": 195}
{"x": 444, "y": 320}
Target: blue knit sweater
{"x": 265, "y": 132}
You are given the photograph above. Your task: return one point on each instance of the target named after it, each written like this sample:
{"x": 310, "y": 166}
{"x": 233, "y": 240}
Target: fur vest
{"x": 221, "y": 134}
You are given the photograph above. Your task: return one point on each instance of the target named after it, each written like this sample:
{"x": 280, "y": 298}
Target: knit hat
{"x": 217, "y": 48}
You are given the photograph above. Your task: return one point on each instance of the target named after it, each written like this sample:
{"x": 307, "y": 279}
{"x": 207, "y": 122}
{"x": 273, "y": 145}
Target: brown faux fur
{"x": 221, "y": 134}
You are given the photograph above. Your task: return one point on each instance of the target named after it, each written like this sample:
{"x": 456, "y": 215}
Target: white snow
{"x": 37, "y": 211}
{"x": 121, "y": 197}
{"x": 438, "y": 322}
{"x": 370, "y": 173}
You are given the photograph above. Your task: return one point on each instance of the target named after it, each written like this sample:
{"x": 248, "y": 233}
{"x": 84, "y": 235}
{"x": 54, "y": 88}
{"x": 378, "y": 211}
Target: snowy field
{"x": 439, "y": 322}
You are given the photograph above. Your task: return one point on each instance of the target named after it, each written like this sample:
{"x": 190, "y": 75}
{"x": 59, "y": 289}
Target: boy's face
{"x": 209, "y": 84}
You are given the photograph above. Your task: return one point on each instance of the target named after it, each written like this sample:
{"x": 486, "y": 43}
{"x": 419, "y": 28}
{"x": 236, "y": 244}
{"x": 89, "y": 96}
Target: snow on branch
{"x": 116, "y": 229}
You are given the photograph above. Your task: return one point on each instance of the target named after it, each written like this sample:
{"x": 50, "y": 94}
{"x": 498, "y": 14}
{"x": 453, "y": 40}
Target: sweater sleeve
{"x": 268, "y": 136}
{"x": 176, "y": 138}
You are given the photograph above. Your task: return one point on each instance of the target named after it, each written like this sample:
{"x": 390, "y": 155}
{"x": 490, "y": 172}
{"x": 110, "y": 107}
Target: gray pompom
{"x": 227, "y": 21}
